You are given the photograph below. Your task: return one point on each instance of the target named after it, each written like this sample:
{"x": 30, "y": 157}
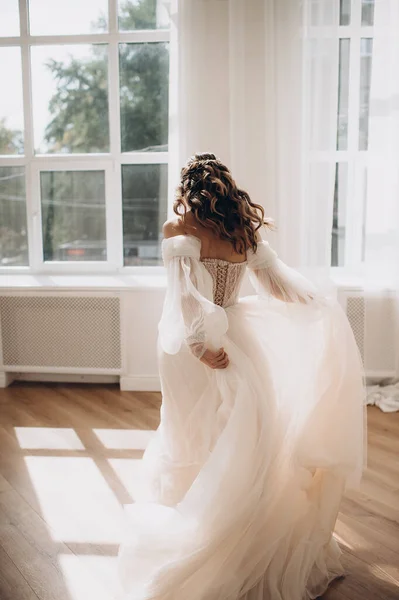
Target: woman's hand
{"x": 215, "y": 359}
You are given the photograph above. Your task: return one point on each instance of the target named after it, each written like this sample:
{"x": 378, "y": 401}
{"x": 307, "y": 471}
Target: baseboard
{"x": 6, "y": 379}
{"x": 132, "y": 383}
{"x": 140, "y": 383}
{"x": 66, "y": 377}
{"x": 381, "y": 376}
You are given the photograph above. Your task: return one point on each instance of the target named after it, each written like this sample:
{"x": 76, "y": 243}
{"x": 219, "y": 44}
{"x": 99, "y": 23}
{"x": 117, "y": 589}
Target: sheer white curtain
{"x": 382, "y": 222}
{"x": 382, "y": 217}
{"x": 258, "y": 86}
{"x": 319, "y": 127}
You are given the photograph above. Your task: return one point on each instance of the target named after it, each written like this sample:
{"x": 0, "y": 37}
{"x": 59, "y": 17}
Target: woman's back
{"x": 212, "y": 246}
{"x": 225, "y": 265}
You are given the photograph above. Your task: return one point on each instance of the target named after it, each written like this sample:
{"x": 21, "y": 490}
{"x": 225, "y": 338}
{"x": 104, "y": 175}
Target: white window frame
{"x": 111, "y": 163}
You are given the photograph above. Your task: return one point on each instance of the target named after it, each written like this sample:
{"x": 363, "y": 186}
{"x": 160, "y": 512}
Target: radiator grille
{"x": 355, "y": 310}
{"x": 381, "y": 333}
{"x": 61, "y": 331}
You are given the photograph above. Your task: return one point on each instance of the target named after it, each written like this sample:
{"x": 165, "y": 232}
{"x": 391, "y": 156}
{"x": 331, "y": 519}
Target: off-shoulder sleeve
{"x": 189, "y": 315}
{"x": 272, "y": 277}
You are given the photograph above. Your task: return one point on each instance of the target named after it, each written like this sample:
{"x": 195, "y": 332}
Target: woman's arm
{"x": 272, "y": 277}
{"x": 182, "y": 277}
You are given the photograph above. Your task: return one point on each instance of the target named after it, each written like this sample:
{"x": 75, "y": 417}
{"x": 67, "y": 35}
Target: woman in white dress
{"x": 261, "y": 420}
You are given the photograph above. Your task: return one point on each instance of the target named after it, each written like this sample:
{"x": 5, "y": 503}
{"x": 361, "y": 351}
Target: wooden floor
{"x": 69, "y": 458}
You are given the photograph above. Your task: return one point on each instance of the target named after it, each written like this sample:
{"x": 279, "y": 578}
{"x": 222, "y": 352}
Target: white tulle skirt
{"x": 244, "y": 477}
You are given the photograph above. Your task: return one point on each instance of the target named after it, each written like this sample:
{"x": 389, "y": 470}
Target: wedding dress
{"x": 244, "y": 476}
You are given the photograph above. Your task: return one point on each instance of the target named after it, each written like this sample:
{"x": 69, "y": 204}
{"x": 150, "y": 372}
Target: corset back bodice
{"x": 227, "y": 277}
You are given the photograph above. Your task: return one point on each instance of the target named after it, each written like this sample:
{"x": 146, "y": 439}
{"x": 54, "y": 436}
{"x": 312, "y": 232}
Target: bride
{"x": 261, "y": 421}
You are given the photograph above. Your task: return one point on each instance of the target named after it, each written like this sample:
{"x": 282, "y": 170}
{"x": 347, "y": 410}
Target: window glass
{"x": 9, "y": 21}
{"x": 67, "y": 17}
{"x": 70, "y": 98}
{"x": 143, "y": 14}
{"x": 144, "y": 194}
{"x": 13, "y": 227}
{"x": 144, "y": 90}
{"x": 339, "y": 215}
{"x": 343, "y": 94}
{"x": 367, "y": 12}
{"x": 11, "y": 104}
{"x": 344, "y": 12}
{"x": 366, "y": 53}
{"x": 73, "y": 215}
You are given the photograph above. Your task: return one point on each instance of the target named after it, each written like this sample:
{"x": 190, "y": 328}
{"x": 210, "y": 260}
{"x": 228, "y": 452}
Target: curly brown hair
{"x": 209, "y": 191}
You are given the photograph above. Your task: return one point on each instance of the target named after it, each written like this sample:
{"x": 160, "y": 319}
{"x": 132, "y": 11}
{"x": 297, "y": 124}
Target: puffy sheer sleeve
{"x": 189, "y": 315}
{"x": 272, "y": 277}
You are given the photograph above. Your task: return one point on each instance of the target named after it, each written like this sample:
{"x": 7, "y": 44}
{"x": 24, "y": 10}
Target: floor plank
{"x": 70, "y": 458}
{"x": 40, "y": 557}
{"x": 12, "y": 583}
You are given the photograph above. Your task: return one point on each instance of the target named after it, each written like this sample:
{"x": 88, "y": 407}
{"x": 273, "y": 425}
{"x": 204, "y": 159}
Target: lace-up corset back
{"x": 227, "y": 277}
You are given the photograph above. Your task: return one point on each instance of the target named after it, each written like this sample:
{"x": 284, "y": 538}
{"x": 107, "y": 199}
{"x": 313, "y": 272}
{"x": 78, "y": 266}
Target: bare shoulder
{"x": 173, "y": 227}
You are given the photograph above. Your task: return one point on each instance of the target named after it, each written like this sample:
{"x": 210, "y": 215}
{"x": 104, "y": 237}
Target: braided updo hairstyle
{"x": 208, "y": 190}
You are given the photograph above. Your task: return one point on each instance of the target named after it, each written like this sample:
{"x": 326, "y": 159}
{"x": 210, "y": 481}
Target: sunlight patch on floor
{"x": 354, "y": 539}
{"x": 48, "y": 438}
{"x": 342, "y": 542}
{"x": 76, "y": 500}
{"x": 89, "y": 577}
{"x": 130, "y": 473}
{"x": 380, "y": 572}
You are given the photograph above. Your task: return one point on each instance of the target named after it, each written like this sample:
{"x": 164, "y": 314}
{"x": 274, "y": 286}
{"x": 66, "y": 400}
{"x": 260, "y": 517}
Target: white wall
{"x": 141, "y": 311}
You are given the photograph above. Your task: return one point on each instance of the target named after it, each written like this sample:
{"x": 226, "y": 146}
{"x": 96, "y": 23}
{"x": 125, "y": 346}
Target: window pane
{"x": 367, "y": 12}
{"x": 11, "y": 105}
{"x": 366, "y": 53}
{"x": 344, "y": 12}
{"x": 51, "y": 17}
{"x": 143, "y": 14}
{"x": 339, "y": 216}
{"x": 343, "y": 94}
{"x": 144, "y": 194}
{"x": 73, "y": 215}
{"x": 144, "y": 82}
{"x": 9, "y": 18}
{"x": 13, "y": 229}
{"x": 70, "y": 98}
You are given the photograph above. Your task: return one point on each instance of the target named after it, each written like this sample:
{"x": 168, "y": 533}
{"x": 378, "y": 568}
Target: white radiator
{"x": 95, "y": 333}
{"x": 61, "y": 333}
{"x": 375, "y": 324}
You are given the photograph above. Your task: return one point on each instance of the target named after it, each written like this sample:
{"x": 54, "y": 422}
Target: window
{"x": 354, "y": 78}
{"x": 83, "y": 133}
